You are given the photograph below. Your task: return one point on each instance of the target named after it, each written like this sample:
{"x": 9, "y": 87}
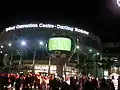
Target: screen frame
{"x": 60, "y": 50}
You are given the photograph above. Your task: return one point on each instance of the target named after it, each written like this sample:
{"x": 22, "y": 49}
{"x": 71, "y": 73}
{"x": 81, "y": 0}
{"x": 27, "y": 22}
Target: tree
{"x": 105, "y": 64}
{"x": 85, "y": 65}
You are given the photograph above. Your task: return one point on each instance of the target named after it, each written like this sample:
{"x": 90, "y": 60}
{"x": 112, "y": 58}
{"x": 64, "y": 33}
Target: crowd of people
{"x": 45, "y": 82}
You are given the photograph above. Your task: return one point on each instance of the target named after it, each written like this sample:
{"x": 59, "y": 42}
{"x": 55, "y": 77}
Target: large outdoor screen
{"x": 59, "y": 43}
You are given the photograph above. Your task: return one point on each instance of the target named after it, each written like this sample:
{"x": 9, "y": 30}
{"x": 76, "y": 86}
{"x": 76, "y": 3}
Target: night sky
{"x": 102, "y": 17}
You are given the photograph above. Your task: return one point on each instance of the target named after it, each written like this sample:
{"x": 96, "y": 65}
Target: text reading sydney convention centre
{"x": 41, "y": 25}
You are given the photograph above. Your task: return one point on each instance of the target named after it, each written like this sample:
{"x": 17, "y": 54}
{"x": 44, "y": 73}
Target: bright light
{"x": 90, "y": 50}
{"x": 41, "y": 43}
{"x": 17, "y": 51}
{"x": 23, "y": 43}
{"x": 76, "y": 60}
{"x": 97, "y": 53}
{"x": 77, "y": 47}
{"x": 5, "y": 54}
{"x": 115, "y": 60}
{"x": 0, "y": 51}
{"x": 105, "y": 73}
{"x": 9, "y": 44}
{"x": 1, "y": 46}
{"x": 46, "y": 45}
{"x": 118, "y": 3}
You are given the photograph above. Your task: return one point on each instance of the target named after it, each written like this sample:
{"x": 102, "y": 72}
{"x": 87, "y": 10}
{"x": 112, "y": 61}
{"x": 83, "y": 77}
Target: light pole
{"x": 95, "y": 56}
{"x": 84, "y": 61}
{"x": 10, "y": 63}
{"x": 11, "y": 57}
{"x": 34, "y": 57}
{"x": 96, "y": 68}
{"x": 96, "y": 64}
{"x": 5, "y": 57}
{"x": 5, "y": 60}
{"x": 78, "y": 48}
{"x": 78, "y": 55}
{"x": 23, "y": 44}
{"x": 49, "y": 65}
{"x": 87, "y": 63}
{"x": 65, "y": 68}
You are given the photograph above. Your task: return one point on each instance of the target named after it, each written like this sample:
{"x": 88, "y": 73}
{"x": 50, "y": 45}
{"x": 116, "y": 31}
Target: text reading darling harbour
{"x": 41, "y": 25}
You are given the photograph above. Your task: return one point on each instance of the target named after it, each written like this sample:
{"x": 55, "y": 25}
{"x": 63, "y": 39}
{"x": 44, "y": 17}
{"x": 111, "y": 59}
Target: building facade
{"x": 112, "y": 52}
{"x": 28, "y": 42}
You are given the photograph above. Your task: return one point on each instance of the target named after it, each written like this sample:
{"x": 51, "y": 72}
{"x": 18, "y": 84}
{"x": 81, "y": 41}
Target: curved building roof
{"x": 32, "y": 32}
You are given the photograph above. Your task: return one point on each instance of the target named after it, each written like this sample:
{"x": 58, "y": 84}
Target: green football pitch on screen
{"x": 59, "y": 43}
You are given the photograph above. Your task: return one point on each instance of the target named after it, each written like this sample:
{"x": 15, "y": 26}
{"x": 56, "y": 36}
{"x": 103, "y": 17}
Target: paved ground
{"x": 21, "y": 89}
{"x": 9, "y": 88}
{"x": 32, "y": 88}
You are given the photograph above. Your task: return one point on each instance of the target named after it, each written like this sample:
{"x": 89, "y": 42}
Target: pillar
{"x": 60, "y": 62}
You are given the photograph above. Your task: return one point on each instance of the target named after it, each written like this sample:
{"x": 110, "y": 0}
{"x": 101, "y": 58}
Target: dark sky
{"x": 97, "y": 16}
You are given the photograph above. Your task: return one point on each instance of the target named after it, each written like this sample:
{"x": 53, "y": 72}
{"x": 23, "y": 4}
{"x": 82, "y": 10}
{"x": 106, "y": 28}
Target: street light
{"x": 41, "y": 43}
{"x": 118, "y": 3}
{"x": 1, "y": 46}
{"x": 77, "y": 47}
{"x": 23, "y": 43}
{"x": 90, "y": 50}
{"x": 9, "y": 44}
{"x": 18, "y": 52}
{"x": 98, "y": 53}
{"x": 1, "y": 52}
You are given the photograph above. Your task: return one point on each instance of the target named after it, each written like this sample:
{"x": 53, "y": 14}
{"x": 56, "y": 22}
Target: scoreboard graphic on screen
{"x": 59, "y": 43}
